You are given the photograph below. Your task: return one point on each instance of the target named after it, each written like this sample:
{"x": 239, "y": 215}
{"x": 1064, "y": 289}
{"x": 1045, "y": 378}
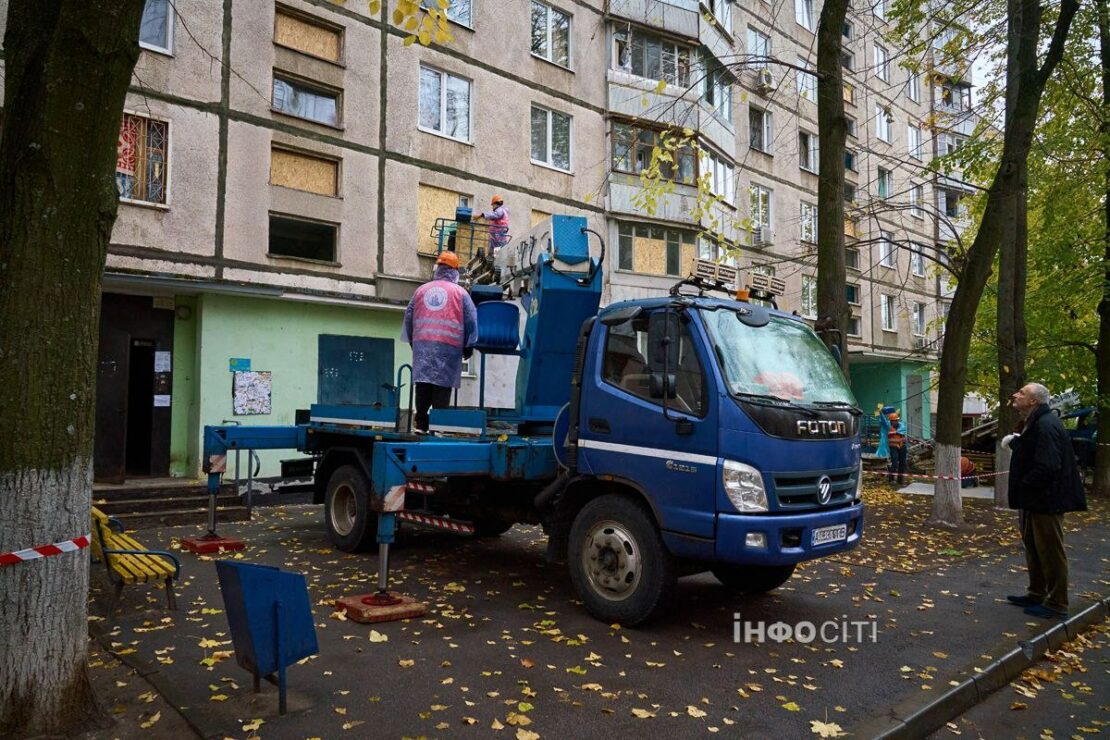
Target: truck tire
{"x": 352, "y": 525}
{"x": 753, "y": 579}
{"x": 494, "y": 527}
{"x": 618, "y": 564}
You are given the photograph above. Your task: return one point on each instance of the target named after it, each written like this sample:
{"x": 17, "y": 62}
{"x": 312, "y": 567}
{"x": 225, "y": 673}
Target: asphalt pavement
{"x": 506, "y": 650}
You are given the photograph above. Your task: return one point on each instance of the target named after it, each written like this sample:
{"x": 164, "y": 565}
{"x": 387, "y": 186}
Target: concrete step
{"x": 179, "y": 517}
{"x": 135, "y": 492}
{"x": 115, "y": 507}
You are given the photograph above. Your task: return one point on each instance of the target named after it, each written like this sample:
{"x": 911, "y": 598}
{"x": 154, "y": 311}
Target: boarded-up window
{"x": 436, "y": 203}
{"x": 308, "y": 36}
{"x": 654, "y": 250}
{"x": 303, "y": 172}
{"x": 538, "y": 216}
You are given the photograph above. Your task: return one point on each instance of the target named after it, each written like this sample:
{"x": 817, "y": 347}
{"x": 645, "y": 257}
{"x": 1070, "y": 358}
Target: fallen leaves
{"x": 826, "y": 729}
{"x": 376, "y": 636}
{"x": 151, "y": 722}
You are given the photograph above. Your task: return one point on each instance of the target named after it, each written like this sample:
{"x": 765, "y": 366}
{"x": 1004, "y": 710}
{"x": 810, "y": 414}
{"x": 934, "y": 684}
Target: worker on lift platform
{"x": 498, "y": 220}
{"x": 441, "y": 324}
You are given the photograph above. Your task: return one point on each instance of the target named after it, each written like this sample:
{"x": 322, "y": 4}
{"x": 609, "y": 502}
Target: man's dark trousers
{"x": 429, "y": 396}
{"x": 1043, "y": 537}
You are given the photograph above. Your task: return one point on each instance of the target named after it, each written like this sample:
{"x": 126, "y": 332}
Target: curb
{"x": 197, "y": 719}
{"x": 915, "y": 718}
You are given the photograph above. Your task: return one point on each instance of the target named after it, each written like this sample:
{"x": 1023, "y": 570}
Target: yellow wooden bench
{"x": 128, "y": 561}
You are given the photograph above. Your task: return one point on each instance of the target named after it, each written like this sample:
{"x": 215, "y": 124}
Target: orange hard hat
{"x": 448, "y": 258}
{"x": 894, "y": 416}
{"x": 496, "y": 199}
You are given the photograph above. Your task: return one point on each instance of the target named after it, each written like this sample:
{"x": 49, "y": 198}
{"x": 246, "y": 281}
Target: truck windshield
{"x": 783, "y": 360}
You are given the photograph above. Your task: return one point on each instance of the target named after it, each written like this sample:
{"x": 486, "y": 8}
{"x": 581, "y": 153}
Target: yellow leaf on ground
{"x": 353, "y": 724}
{"x": 150, "y": 722}
{"x": 1019, "y": 705}
{"x": 694, "y": 711}
{"x": 341, "y": 710}
{"x": 791, "y": 707}
{"x": 826, "y": 729}
{"x": 253, "y": 725}
{"x": 406, "y": 663}
{"x": 376, "y": 636}
{"x": 523, "y": 734}
{"x": 642, "y": 713}
{"x": 218, "y": 697}
{"x": 496, "y": 725}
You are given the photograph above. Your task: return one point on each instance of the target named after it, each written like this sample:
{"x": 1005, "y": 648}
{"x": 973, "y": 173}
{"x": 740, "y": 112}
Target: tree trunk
{"x": 1102, "y": 353}
{"x": 68, "y": 65}
{"x": 1025, "y": 84}
{"x": 832, "y": 125}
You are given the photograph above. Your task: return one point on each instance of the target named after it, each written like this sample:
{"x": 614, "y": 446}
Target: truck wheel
{"x": 753, "y": 579}
{"x": 618, "y": 563}
{"x": 494, "y": 527}
{"x": 352, "y": 526}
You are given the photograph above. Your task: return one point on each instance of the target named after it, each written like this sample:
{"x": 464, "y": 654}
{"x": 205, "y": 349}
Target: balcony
{"x": 680, "y": 17}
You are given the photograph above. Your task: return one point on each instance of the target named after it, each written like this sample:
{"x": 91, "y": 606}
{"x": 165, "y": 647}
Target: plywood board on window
{"x": 649, "y": 255}
{"x": 538, "y": 216}
{"x": 310, "y": 38}
{"x": 433, "y": 203}
{"x": 303, "y": 172}
{"x": 686, "y": 257}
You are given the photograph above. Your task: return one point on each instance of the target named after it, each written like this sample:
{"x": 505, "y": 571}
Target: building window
{"x": 807, "y": 81}
{"x": 850, "y": 159}
{"x": 886, "y": 249}
{"x": 759, "y": 129}
{"x": 300, "y": 171}
{"x": 653, "y": 57}
{"x": 308, "y": 35}
{"x": 302, "y": 101}
{"x": 851, "y": 293}
{"x": 850, "y": 124}
{"x": 918, "y": 319}
{"x": 654, "y": 250}
{"x": 759, "y": 44}
{"x": 550, "y": 34}
{"x": 809, "y": 297}
{"x": 879, "y": 9}
{"x": 848, "y": 31}
{"x": 722, "y": 182}
{"x": 884, "y": 123}
{"x": 302, "y": 238}
{"x": 950, "y": 203}
{"x": 913, "y": 141}
{"x": 955, "y": 97}
{"x": 633, "y": 147}
{"x": 156, "y": 29}
{"x": 722, "y": 11}
{"x": 882, "y": 63}
{"x": 913, "y": 87}
{"x": 803, "y": 14}
{"x": 917, "y": 201}
{"x": 718, "y": 93}
{"x": 885, "y": 183}
{"x": 761, "y": 206}
{"x": 808, "y": 158}
{"x": 848, "y": 60}
{"x": 457, "y": 11}
{"x": 444, "y": 104}
{"x": 889, "y": 319}
{"x": 851, "y": 258}
{"x": 950, "y": 143}
{"x": 849, "y": 193}
{"x": 142, "y": 159}
{"x": 550, "y": 138}
{"x": 854, "y": 325}
{"x": 917, "y": 260}
{"x": 808, "y": 223}
{"x": 848, "y": 93}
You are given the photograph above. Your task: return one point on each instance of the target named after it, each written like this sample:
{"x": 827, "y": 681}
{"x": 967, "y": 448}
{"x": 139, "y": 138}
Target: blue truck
{"x": 651, "y": 438}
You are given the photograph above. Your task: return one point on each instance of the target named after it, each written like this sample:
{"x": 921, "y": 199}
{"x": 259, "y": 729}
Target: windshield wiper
{"x": 837, "y": 405}
{"x": 763, "y": 399}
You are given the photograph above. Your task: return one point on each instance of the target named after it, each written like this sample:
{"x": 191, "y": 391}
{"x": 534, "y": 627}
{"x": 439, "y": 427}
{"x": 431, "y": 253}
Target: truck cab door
{"x": 625, "y": 432}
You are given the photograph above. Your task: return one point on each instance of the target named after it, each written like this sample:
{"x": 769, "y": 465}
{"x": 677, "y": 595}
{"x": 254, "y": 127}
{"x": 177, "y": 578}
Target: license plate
{"x": 835, "y": 533}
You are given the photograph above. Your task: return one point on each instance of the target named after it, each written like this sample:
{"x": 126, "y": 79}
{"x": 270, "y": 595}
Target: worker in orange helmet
{"x": 498, "y": 220}
{"x": 897, "y": 441}
{"x": 441, "y": 324}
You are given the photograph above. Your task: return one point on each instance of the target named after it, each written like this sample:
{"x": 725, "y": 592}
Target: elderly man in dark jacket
{"x": 1044, "y": 483}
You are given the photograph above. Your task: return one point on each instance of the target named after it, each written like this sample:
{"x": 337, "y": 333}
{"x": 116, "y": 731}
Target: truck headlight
{"x": 744, "y": 486}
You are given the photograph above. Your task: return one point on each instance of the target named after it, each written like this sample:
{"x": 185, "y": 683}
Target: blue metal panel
{"x": 568, "y": 240}
{"x": 354, "y": 370}
{"x": 347, "y": 418}
{"x": 219, "y": 439}
{"x": 498, "y": 327}
{"x": 458, "y": 421}
{"x": 266, "y": 638}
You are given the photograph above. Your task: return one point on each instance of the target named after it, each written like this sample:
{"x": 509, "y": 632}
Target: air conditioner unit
{"x": 765, "y": 81}
{"x": 919, "y": 342}
{"x": 761, "y": 236}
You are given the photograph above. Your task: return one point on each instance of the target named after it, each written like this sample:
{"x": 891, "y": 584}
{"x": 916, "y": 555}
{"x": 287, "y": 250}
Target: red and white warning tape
{"x": 936, "y": 477}
{"x": 44, "y": 551}
{"x": 433, "y": 521}
{"x": 420, "y": 487}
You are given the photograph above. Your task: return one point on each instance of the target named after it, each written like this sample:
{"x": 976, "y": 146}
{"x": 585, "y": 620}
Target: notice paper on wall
{"x": 163, "y": 362}
{"x": 161, "y": 400}
{"x": 250, "y": 393}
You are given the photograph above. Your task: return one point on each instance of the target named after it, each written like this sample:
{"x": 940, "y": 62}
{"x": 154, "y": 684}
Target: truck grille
{"x": 800, "y": 492}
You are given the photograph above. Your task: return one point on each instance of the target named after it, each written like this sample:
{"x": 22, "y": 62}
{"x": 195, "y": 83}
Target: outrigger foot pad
{"x": 210, "y": 543}
{"x": 381, "y": 606}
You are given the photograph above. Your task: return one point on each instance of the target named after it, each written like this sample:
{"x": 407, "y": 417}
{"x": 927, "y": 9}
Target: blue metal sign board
{"x": 239, "y": 364}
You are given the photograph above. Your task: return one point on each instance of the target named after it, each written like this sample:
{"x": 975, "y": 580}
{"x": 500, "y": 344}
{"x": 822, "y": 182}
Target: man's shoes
{"x": 1022, "y": 601}
{"x": 1045, "y": 612}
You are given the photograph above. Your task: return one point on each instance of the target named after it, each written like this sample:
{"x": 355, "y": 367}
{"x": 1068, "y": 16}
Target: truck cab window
{"x": 625, "y": 366}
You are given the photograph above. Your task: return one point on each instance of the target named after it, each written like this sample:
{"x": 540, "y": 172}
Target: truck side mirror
{"x": 661, "y": 385}
{"x": 664, "y": 330}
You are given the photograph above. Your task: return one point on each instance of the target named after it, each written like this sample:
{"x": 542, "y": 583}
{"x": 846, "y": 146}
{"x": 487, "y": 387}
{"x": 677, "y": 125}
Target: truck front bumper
{"x": 787, "y": 538}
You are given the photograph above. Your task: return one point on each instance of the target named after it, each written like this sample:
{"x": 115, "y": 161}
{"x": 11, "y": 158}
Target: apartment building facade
{"x": 282, "y": 166}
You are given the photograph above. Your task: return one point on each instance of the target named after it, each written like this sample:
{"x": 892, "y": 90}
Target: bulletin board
{"x": 251, "y": 393}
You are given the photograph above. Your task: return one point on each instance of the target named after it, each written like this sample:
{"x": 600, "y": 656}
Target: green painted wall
{"x": 183, "y": 410}
{"x": 280, "y": 336}
{"x": 886, "y": 383}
